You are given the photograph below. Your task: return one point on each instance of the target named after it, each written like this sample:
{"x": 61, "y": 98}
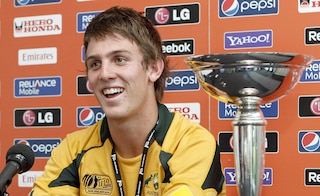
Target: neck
{"x": 129, "y": 136}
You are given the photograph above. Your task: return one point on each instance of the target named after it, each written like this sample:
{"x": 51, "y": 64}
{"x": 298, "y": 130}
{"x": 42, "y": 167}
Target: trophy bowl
{"x": 248, "y": 80}
{"x": 272, "y": 74}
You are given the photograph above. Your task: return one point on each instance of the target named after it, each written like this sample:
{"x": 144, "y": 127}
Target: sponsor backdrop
{"x": 44, "y": 96}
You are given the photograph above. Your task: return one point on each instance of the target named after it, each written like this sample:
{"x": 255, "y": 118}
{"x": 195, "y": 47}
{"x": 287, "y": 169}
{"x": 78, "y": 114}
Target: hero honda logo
{"x": 238, "y": 8}
{"x": 174, "y": 14}
{"x": 309, "y": 141}
{"x": 37, "y": 25}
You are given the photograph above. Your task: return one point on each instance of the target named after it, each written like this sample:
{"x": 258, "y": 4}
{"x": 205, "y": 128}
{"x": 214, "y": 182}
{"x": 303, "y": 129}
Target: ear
{"x": 155, "y": 70}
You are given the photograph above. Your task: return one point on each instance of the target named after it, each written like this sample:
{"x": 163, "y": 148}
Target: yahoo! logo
{"x": 248, "y": 39}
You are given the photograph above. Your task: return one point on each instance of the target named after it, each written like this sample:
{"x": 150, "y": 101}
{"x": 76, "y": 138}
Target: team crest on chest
{"x": 97, "y": 184}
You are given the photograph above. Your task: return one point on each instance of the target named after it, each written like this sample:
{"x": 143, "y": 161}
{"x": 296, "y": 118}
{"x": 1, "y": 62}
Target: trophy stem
{"x": 249, "y": 143}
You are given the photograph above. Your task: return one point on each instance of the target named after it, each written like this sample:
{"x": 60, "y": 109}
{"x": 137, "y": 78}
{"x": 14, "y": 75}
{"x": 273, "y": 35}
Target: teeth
{"x": 111, "y": 91}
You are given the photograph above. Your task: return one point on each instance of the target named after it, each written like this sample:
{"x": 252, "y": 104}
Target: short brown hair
{"x": 134, "y": 26}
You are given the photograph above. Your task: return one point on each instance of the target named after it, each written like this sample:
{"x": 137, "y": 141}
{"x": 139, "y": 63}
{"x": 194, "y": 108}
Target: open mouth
{"x": 110, "y": 92}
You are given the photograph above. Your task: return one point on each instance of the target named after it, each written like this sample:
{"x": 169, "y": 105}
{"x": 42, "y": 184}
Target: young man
{"x": 140, "y": 148}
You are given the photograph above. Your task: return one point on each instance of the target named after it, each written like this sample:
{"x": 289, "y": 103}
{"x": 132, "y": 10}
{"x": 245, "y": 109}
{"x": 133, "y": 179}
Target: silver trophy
{"x": 248, "y": 80}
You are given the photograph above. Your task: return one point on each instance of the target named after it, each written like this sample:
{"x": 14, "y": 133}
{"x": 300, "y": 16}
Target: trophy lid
{"x": 272, "y": 74}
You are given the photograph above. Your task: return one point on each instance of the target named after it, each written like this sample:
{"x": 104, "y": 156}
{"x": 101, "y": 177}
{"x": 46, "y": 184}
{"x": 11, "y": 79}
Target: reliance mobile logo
{"x": 40, "y": 117}
{"x": 312, "y": 36}
{"x": 309, "y": 141}
{"x": 20, "y": 3}
{"x": 230, "y": 175}
{"x": 182, "y": 81}
{"x": 311, "y": 73}
{"x": 42, "y": 147}
{"x": 248, "y": 39}
{"x": 37, "y": 25}
{"x": 239, "y": 8}
{"x": 83, "y": 20}
{"x": 87, "y": 116}
{"x": 174, "y": 14}
{"x": 228, "y": 111}
{"x": 37, "y": 87}
{"x": 312, "y": 177}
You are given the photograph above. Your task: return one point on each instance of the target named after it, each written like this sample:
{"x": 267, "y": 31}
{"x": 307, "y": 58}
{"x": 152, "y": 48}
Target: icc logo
{"x": 230, "y": 7}
{"x": 309, "y": 141}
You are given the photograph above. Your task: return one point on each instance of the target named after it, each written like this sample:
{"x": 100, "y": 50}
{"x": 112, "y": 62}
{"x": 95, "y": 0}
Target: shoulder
{"x": 183, "y": 129}
{"x": 83, "y": 139}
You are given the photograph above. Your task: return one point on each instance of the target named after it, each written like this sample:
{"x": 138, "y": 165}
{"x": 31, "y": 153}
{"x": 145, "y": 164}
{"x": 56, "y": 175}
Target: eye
{"x": 94, "y": 65}
{"x": 120, "y": 60}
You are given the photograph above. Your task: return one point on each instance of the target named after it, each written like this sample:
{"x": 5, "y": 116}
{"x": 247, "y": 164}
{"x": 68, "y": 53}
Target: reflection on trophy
{"x": 248, "y": 80}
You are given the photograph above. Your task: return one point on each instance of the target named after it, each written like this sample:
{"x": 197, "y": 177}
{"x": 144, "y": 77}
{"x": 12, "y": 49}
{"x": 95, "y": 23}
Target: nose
{"x": 107, "y": 71}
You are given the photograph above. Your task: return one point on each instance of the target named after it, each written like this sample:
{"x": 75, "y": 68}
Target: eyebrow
{"x": 112, "y": 53}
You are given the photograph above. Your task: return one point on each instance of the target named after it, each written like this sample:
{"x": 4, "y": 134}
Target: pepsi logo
{"x": 23, "y": 2}
{"x": 230, "y": 7}
{"x": 162, "y": 15}
{"x": 86, "y": 116}
{"x": 310, "y": 141}
{"x": 25, "y": 142}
